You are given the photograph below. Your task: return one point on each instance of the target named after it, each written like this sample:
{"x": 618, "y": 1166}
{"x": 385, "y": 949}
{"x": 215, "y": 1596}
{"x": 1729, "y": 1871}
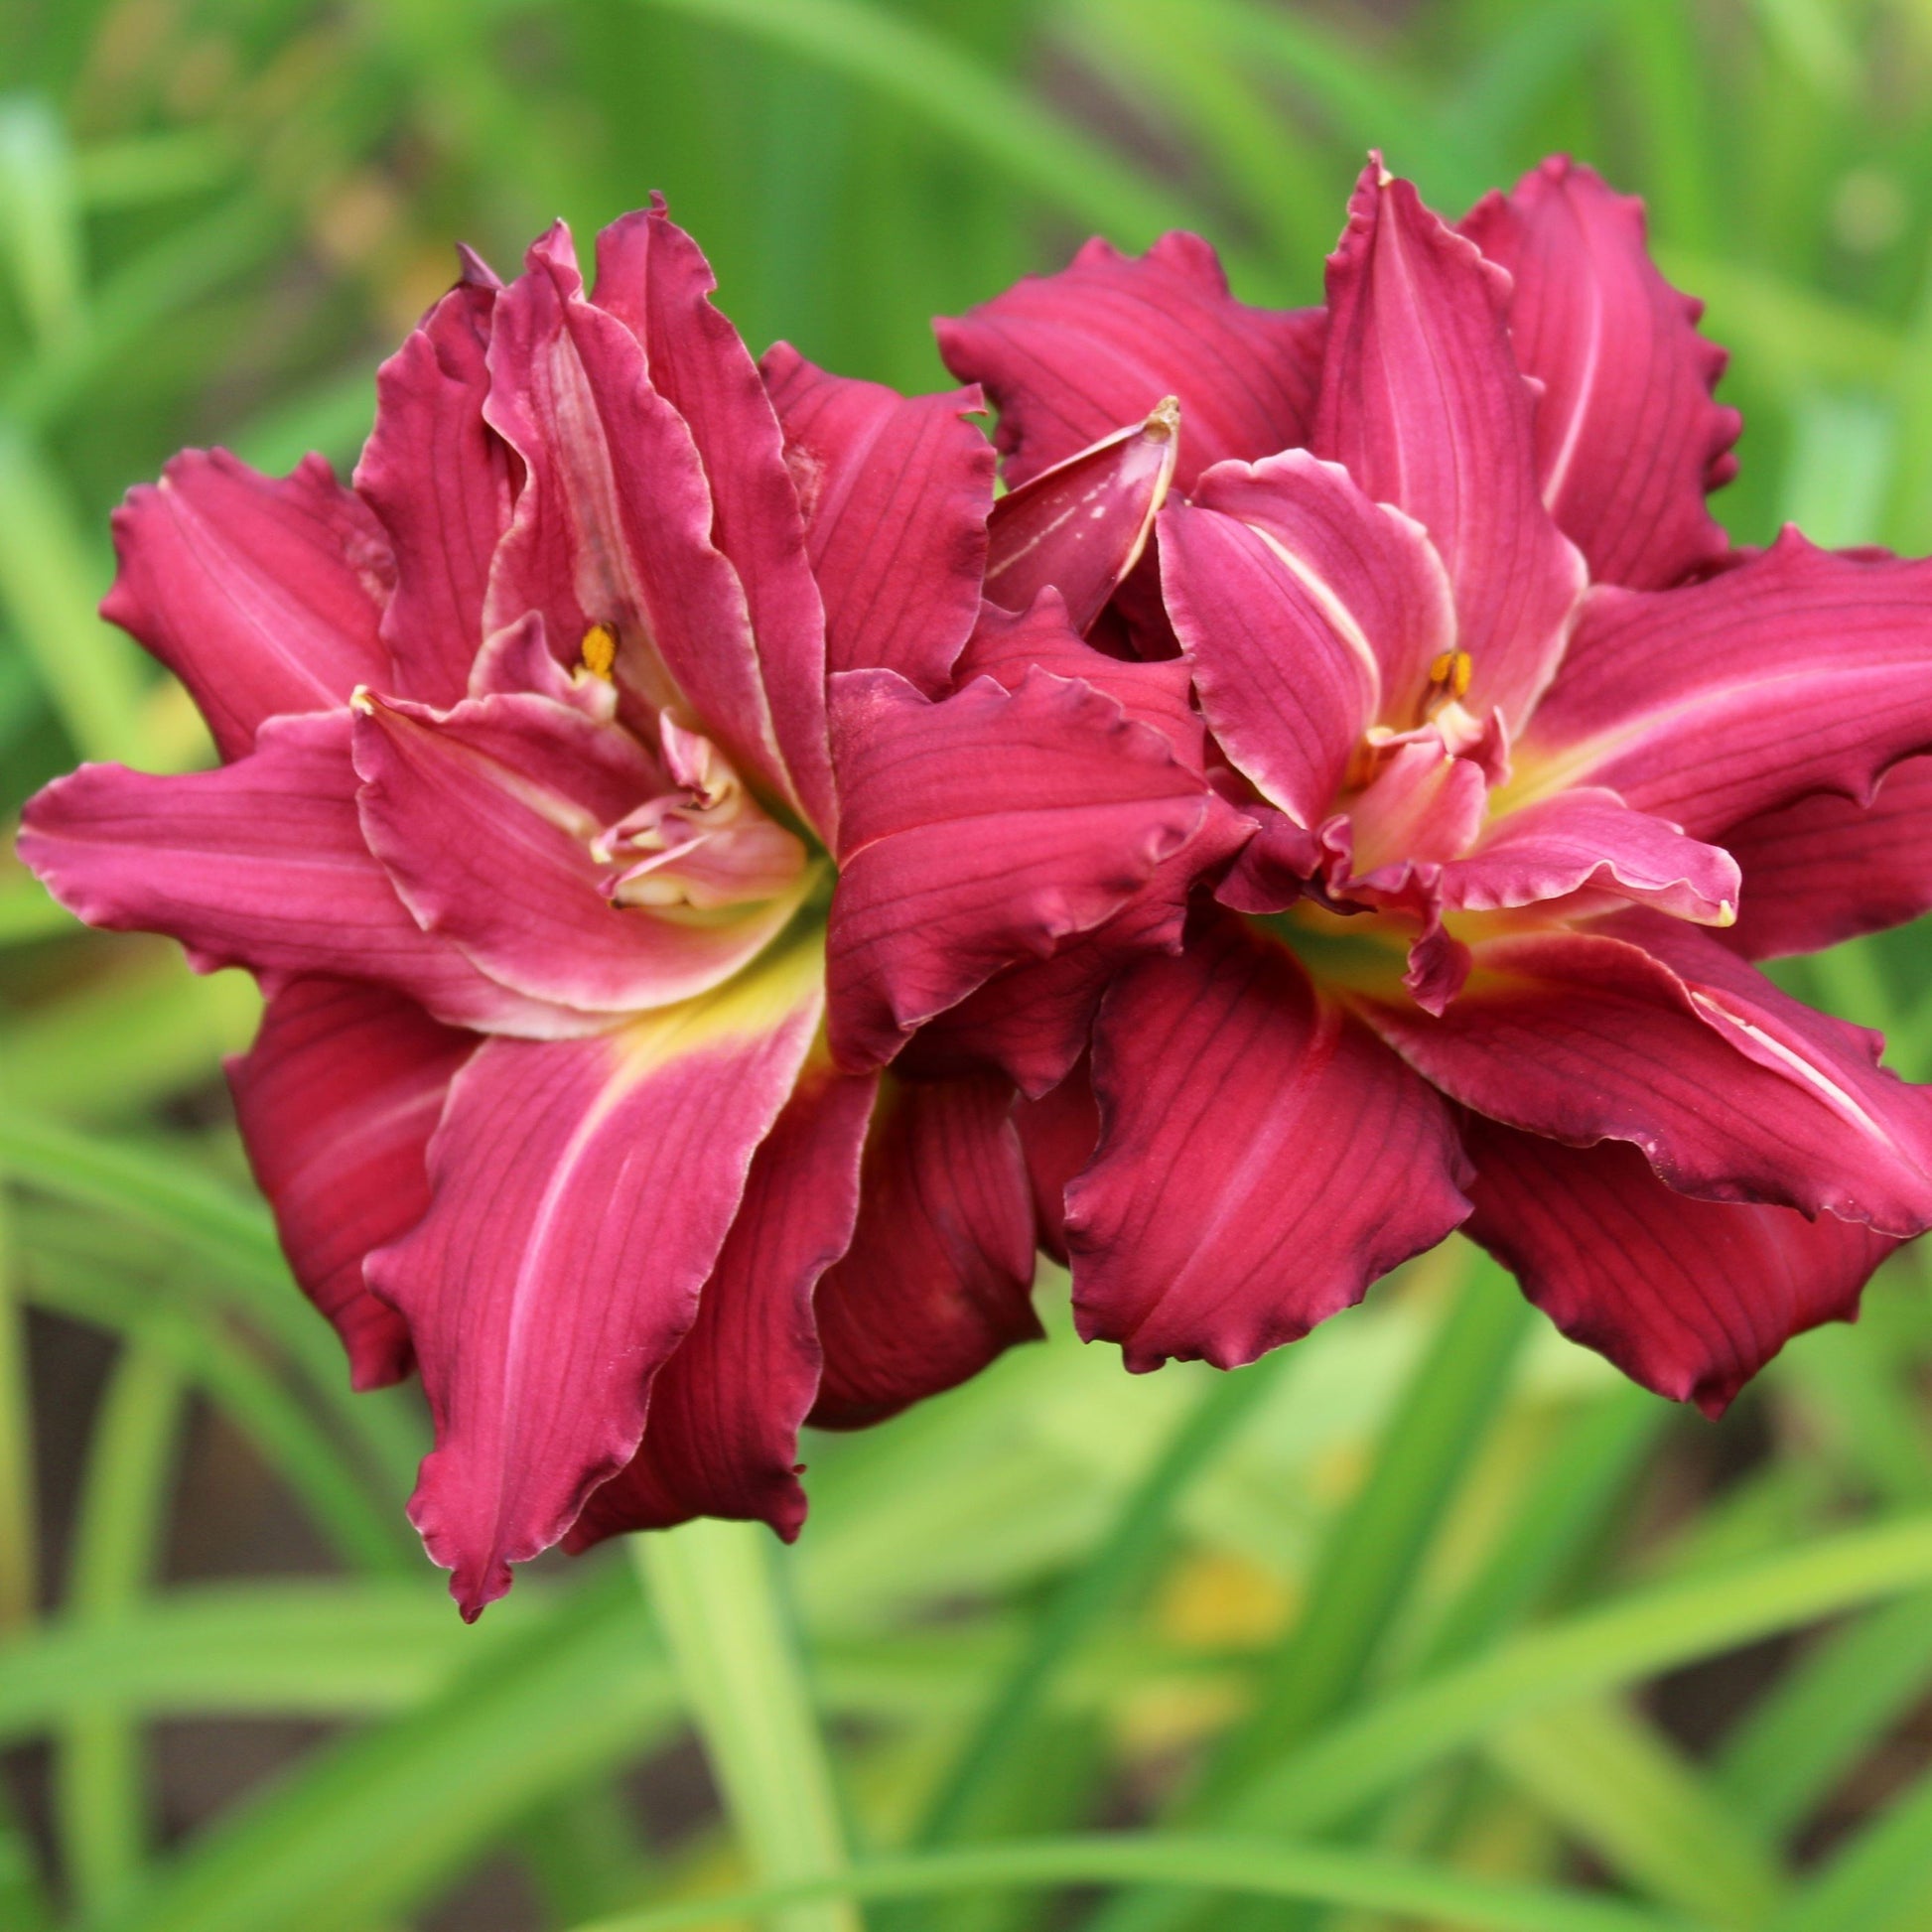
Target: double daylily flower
{"x": 1329, "y": 798}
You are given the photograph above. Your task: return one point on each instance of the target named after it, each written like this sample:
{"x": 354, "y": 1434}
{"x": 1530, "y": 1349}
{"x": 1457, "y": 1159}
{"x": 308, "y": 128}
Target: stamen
{"x": 599, "y": 651}
{"x": 1452, "y": 673}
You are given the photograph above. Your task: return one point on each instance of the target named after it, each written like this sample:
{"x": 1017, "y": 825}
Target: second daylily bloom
{"x": 542, "y": 747}
{"x": 1531, "y": 764}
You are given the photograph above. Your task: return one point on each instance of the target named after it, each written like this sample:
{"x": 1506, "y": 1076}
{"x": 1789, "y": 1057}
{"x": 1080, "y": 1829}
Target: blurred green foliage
{"x": 1422, "y": 1623}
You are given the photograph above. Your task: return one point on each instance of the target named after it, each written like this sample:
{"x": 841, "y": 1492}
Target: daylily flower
{"x": 539, "y": 743}
{"x": 1533, "y": 765}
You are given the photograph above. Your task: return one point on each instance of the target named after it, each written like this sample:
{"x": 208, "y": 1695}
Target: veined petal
{"x": 1655, "y": 1034}
{"x": 894, "y": 492}
{"x": 582, "y": 1193}
{"x": 484, "y": 819}
{"x": 1828, "y": 869}
{"x": 1423, "y": 402}
{"x": 1262, "y": 1158}
{"x": 655, "y": 277}
{"x": 261, "y": 864}
{"x": 1797, "y": 670}
{"x": 1589, "y": 840}
{"x": 1079, "y": 527}
{"x": 938, "y": 1279}
{"x": 440, "y": 479}
{"x": 1689, "y": 1298}
{"x": 1069, "y": 357}
{"x": 978, "y": 831}
{"x": 1628, "y": 440}
{"x": 262, "y": 595}
{"x": 613, "y": 525}
{"x": 721, "y": 1438}
{"x": 1057, "y": 1134}
{"x": 337, "y": 1100}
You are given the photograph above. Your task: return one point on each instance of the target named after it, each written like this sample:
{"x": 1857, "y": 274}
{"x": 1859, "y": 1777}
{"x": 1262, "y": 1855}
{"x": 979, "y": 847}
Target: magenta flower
{"x": 537, "y": 744}
{"x": 1533, "y": 763}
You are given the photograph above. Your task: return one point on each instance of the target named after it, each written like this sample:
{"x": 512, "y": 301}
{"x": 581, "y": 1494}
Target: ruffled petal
{"x": 1262, "y": 1158}
{"x": 1079, "y": 527}
{"x": 655, "y": 277}
{"x": 1589, "y": 841}
{"x": 983, "y": 830}
{"x": 1628, "y": 439}
{"x": 263, "y": 596}
{"x": 582, "y": 1193}
{"x": 938, "y": 1279}
{"x": 895, "y": 492}
{"x": 1657, "y": 1035}
{"x": 1069, "y": 357}
{"x": 1689, "y": 1298}
{"x": 721, "y": 1438}
{"x": 440, "y": 478}
{"x": 261, "y": 864}
{"x": 337, "y": 1100}
{"x": 1798, "y": 670}
{"x": 1828, "y": 869}
{"x": 484, "y": 819}
{"x": 1423, "y": 402}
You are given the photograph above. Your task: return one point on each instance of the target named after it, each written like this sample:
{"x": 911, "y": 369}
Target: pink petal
{"x": 1057, "y": 1132}
{"x": 440, "y": 478}
{"x": 721, "y": 1438}
{"x": 1734, "y": 1092}
{"x": 262, "y": 596}
{"x": 1082, "y": 527}
{"x": 336, "y": 1101}
{"x": 1627, "y": 437}
{"x": 1797, "y": 670}
{"x": 260, "y": 864}
{"x": 1424, "y": 403}
{"x": 1069, "y": 357}
{"x": 1589, "y": 840}
{"x": 614, "y": 525}
{"x": 1826, "y": 869}
{"x": 1423, "y": 806}
{"x": 655, "y": 277}
{"x": 1689, "y": 1298}
{"x": 986, "y": 829}
{"x": 484, "y": 818}
{"x": 1262, "y": 1159}
{"x": 582, "y": 1193}
{"x": 938, "y": 1279}
{"x": 1363, "y": 573}
{"x": 894, "y": 492}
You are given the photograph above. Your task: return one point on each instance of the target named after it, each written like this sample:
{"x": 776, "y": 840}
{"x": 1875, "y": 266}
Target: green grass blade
{"x": 40, "y": 215}
{"x": 1881, "y": 1882}
{"x": 1219, "y": 1866}
{"x": 19, "y": 1527}
{"x": 715, "y": 1590}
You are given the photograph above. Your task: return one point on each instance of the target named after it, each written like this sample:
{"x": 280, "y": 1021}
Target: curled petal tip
{"x": 1164, "y": 419}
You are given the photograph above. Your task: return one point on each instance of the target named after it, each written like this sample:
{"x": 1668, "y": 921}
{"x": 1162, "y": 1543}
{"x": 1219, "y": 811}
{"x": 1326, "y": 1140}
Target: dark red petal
{"x": 1733, "y": 1091}
{"x": 1826, "y": 869}
{"x": 1069, "y": 357}
{"x": 261, "y": 864}
{"x": 894, "y": 492}
{"x": 1627, "y": 437}
{"x": 1689, "y": 1298}
{"x": 721, "y": 1438}
{"x": 1262, "y": 1158}
{"x": 582, "y": 1191}
{"x": 655, "y": 277}
{"x": 337, "y": 1100}
{"x": 983, "y": 830}
{"x": 937, "y": 1281}
{"x": 263, "y": 596}
{"x": 440, "y": 480}
{"x": 1079, "y": 527}
{"x": 1057, "y": 1134}
{"x": 1423, "y": 402}
{"x": 1797, "y": 670}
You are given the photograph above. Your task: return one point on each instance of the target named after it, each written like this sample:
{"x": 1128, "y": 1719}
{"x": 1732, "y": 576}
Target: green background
{"x": 1430, "y": 1616}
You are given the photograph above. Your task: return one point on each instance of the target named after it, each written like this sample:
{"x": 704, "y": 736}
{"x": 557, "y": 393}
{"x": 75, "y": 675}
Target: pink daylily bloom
{"x": 1531, "y": 764}
{"x": 544, "y": 746}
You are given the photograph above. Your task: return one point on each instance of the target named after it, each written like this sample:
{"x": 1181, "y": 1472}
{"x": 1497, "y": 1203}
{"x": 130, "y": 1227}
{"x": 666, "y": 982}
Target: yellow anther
{"x": 1453, "y": 670}
{"x": 598, "y": 650}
